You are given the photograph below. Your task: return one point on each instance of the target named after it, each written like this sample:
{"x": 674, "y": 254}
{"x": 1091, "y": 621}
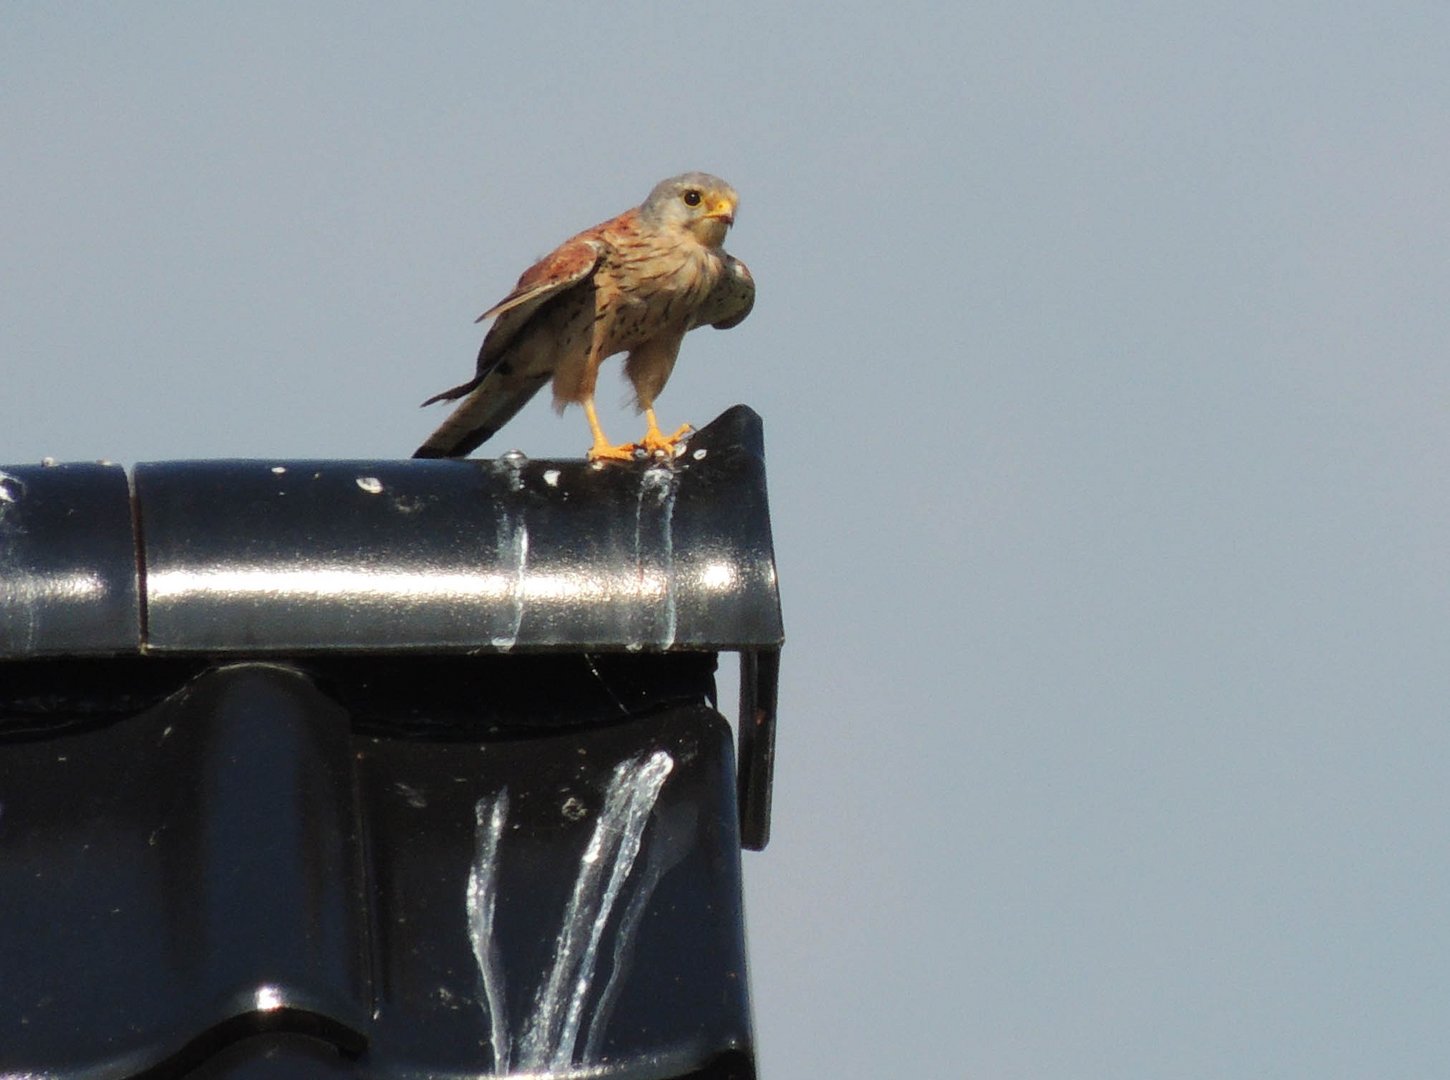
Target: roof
{"x": 393, "y": 769}
{"x": 478, "y": 555}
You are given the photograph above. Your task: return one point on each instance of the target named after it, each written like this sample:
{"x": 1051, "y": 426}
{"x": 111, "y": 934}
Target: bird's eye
{"x": 692, "y": 197}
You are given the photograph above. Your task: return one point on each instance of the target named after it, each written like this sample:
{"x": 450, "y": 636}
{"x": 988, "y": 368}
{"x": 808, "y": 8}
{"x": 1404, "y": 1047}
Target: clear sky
{"x": 1104, "y": 356}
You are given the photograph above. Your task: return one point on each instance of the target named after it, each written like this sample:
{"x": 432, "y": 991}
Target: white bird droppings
{"x": 551, "y": 477}
{"x": 371, "y": 484}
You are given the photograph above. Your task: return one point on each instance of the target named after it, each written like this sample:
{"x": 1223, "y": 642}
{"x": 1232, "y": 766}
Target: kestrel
{"x": 636, "y": 283}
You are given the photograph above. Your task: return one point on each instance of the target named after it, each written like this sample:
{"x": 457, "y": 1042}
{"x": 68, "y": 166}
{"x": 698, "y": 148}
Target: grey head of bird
{"x": 695, "y": 203}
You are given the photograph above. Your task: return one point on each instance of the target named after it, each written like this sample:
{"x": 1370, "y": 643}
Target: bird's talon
{"x": 605, "y": 452}
{"x": 657, "y": 442}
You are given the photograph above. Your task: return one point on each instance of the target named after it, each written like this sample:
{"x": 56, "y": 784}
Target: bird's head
{"x": 695, "y": 202}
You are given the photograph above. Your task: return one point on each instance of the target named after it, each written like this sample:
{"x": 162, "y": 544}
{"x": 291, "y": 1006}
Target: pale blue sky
{"x": 1104, "y": 355}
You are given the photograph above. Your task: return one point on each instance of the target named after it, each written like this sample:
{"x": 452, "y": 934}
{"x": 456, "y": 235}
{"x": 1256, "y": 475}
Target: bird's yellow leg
{"x": 655, "y": 439}
{"x": 603, "y": 449}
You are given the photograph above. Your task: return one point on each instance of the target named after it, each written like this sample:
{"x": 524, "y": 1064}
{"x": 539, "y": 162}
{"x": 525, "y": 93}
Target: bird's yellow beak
{"x": 723, "y": 210}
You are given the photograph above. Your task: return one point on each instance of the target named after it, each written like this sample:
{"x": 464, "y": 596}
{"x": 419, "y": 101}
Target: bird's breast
{"x": 644, "y": 298}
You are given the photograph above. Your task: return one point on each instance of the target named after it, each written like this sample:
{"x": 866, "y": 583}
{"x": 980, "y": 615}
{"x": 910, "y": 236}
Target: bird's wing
{"x": 730, "y": 300}
{"x": 564, "y": 267}
{"x": 518, "y": 354}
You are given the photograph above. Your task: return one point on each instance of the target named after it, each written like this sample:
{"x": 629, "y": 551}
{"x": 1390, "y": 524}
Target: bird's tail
{"x": 488, "y": 404}
{"x": 454, "y": 393}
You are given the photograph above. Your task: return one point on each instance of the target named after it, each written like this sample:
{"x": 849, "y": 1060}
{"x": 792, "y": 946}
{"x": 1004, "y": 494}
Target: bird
{"x": 634, "y": 284}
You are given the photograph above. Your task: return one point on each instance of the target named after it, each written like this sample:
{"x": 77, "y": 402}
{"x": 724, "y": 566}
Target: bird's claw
{"x": 654, "y": 444}
{"x": 657, "y": 442}
{"x": 605, "y": 452}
